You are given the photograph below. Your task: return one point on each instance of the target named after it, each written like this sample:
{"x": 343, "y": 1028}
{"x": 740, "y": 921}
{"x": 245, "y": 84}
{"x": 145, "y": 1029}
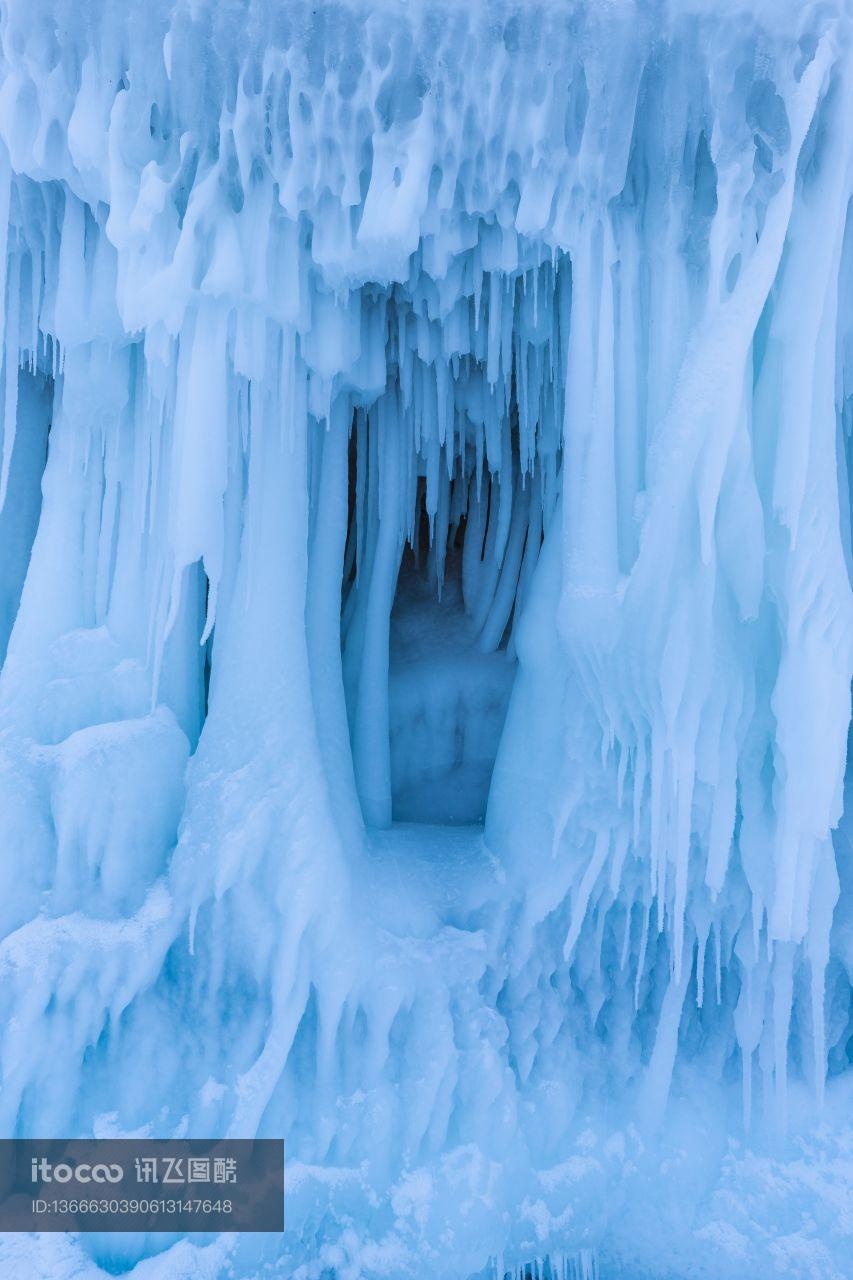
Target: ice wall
{"x": 557, "y": 299}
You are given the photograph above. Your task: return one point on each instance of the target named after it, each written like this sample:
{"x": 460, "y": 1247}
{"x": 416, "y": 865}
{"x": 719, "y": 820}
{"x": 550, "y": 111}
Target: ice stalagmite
{"x": 426, "y": 623}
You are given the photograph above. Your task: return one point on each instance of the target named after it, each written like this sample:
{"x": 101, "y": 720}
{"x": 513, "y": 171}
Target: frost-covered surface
{"x": 545, "y": 313}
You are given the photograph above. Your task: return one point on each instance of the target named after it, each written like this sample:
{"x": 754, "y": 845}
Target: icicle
{"x": 10, "y": 405}
{"x": 641, "y": 958}
{"x": 783, "y": 962}
{"x": 371, "y": 757}
{"x": 6, "y": 297}
{"x": 323, "y": 608}
{"x": 442, "y": 530}
{"x": 506, "y": 592}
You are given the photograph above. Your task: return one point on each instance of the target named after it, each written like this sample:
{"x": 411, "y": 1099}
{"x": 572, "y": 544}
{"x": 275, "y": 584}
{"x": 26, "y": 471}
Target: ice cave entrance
{"x": 453, "y": 415}
{"x": 448, "y": 694}
{"x": 445, "y": 522}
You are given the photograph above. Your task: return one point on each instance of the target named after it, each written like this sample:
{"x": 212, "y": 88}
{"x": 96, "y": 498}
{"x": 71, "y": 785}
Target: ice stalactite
{"x": 434, "y": 414}
{"x": 581, "y": 1267}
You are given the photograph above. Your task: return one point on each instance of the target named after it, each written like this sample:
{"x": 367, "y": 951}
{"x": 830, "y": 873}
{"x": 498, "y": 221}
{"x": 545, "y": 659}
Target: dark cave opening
{"x": 463, "y": 571}
{"x": 21, "y": 509}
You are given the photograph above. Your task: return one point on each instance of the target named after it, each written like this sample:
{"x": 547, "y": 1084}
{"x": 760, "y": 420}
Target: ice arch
{"x": 456, "y": 462}
{"x": 575, "y": 277}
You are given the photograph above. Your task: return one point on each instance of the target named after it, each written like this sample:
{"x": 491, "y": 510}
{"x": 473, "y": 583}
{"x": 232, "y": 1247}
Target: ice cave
{"x": 426, "y": 625}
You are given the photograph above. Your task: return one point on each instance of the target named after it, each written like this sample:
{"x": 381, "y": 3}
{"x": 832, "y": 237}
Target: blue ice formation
{"x": 426, "y": 618}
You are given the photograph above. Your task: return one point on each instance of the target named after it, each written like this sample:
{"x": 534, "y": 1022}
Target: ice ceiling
{"x": 432, "y": 413}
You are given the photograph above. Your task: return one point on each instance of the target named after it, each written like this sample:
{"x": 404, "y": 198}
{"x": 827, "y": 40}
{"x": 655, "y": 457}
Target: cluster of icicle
{"x": 581, "y": 1266}
{"x": 580, "y": 284}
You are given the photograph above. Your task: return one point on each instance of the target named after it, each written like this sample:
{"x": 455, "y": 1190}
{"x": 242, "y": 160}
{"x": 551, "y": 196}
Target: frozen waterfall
{"x": 426, "y": 624}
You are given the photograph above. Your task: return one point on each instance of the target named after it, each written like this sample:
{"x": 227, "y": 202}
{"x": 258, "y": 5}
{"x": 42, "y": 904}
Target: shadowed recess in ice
{"x": 426, "y": 619}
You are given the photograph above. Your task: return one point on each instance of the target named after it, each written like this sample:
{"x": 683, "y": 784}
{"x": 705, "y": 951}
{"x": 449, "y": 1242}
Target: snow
{"x": 426, "y": 623}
